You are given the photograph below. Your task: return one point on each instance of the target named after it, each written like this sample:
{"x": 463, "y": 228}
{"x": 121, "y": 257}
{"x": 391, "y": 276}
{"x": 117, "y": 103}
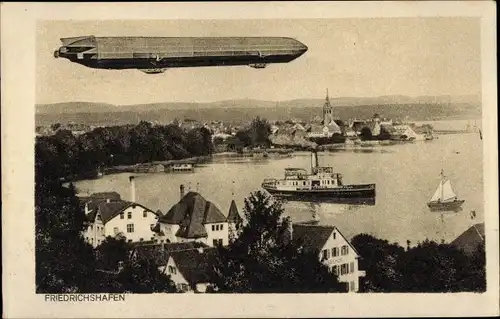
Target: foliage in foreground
{"x": 428, "y": 267}
{"x": 261, "y": 261}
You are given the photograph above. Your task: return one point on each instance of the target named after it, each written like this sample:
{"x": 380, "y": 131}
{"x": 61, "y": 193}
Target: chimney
{"x": 132, "y": 188}
{"x": 86, "y": 208}
{"x": 182, "y": 190}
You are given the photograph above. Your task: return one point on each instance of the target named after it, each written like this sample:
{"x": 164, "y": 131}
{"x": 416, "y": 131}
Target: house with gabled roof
{"x": 333, "y": 249}
{"x": 471, "y": 239}
{"x": 189, "y": 264}
{"x": 110, "y": 216}
{"x": 194, "y": 218}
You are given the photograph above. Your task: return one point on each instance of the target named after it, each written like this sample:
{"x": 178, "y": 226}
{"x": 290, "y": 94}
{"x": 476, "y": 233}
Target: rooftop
{"x": 191, "y": 213}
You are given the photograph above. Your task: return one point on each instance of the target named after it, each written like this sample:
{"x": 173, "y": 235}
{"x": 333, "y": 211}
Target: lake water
{"x": 406, "y": 176}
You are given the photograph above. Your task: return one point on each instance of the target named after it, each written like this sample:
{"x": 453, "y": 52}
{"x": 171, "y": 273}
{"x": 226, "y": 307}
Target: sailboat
{"x": 445, "y": 199}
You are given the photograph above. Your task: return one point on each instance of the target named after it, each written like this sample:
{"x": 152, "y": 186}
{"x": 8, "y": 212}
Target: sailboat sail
{"x": 448, "y": 192}
{"x": 437, "y": 194}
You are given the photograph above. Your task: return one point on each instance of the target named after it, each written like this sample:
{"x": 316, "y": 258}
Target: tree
{"x": 260, "y": 260}
{"x": 259, "y": 132}
{"x": 142, "y": 276}
{"x": 366, "y": 134}
{"x": 64, "y": 261}
{"x": 380, "y": 261}
{"x": 428, "y": 267}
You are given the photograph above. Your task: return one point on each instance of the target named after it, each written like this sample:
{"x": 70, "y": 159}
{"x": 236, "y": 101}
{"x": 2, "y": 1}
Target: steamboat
{"x": 322, "y": 184}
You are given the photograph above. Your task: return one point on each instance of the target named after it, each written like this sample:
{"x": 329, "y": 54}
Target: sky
{"x": 351, "y": 57}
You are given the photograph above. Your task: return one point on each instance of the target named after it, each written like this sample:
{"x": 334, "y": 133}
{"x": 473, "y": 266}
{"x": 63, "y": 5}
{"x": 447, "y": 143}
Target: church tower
{"x": 327, "y": 111}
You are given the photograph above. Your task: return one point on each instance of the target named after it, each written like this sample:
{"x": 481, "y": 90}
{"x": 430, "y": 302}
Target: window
{"x": 213, "y": 227}
{"x": 145, "y": 214}
{"x": 335, "y": 252}
{"x": 334, "y": 270}
{"x": 130, "y": 240}
{"x": 351, "y": 267}
{"x": 122, "y": 215}
{"x": 215, "y": 242}
{"x": 334, "y": 235}
{"x": 344, "y": 269}
{"x": 324, "y": 254}
{"x": 151, "y": 226}
{"x": 130, "y": 228}
{"x": 222, "y": 227}
{"x": 172, "y": 270}
{"x": 141, "y": 239}
{"x": 220, "y": 242}
{"x": 129, "y": 215}
{"x": 345, "y": 250}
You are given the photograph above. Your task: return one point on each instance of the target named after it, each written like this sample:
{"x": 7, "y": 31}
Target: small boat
{"x": 181, "y": 168}
{"x": 322, "y": 184}
{"x": 445, "y": 199}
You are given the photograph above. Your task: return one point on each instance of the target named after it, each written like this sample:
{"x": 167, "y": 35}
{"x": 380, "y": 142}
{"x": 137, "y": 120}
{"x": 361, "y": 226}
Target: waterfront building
{"x": 112, "y": 216}
{"x": 333, "y": 250}
{"x": 406, "y": 130}
{"x": 194, "y": 218}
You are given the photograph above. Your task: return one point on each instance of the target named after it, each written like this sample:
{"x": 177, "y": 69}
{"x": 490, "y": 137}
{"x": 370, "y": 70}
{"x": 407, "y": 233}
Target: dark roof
{"x": 313, "y": 237}
{"x": 469, "y": 240}
{"x": 191, "y": 213}
{"x": 111, "y": 209}
{"x": 108, "y": 210}
{"x": 233, "y": 215}
{"x": 106, "y": 195}
{"x": 195, "y": 264}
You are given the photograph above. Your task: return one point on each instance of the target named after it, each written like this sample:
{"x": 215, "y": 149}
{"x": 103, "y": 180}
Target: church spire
{"x": 327, "y": 110}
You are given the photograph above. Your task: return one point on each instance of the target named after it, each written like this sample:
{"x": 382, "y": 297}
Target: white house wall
{"x": 351, "y": 278}
{"x": 95, "y": 233}
{"x": 217, "y": 234}
{"x": 142, "y": 225}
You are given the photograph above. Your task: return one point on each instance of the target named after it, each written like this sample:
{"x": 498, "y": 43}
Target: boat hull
{"x": 345, "y": 194}
{"x": 446, "y": 206}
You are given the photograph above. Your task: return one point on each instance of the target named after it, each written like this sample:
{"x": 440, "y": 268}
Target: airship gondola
{"x": 154, "y": 55}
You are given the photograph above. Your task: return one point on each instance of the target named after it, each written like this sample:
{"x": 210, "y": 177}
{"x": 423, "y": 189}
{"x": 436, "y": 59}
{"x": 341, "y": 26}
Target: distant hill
{"x": 415, "y": 108}
{"x": 75, "y": 107}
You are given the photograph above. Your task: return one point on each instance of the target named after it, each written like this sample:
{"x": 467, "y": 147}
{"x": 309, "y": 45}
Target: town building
{"x": 407, "y": 131}
{"x": 471, "y": 239}
{"x": 333, "y": 250}
{"x": 108, "y": 215}
{"x": 194, "y": 218}
{"x": 188, "y": 264}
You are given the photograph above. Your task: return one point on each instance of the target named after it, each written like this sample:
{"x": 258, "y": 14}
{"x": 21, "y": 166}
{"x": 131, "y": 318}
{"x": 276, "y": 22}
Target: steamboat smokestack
{"x": 132, "y": 188}
{"x": 314, "y": 161}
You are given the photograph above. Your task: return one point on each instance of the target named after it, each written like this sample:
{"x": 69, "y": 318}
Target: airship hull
{"x": 163, "y": 53}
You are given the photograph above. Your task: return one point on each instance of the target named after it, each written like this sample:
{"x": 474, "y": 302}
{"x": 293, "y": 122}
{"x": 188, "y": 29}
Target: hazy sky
{"x": 352, "y": 57}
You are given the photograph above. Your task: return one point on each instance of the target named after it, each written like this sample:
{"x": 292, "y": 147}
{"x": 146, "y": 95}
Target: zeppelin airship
{"x": 156, "y": 54}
